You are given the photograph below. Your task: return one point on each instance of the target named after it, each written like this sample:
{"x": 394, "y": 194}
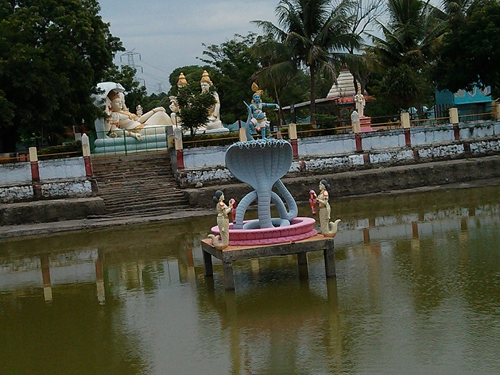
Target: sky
{"x": 166, "y": 34}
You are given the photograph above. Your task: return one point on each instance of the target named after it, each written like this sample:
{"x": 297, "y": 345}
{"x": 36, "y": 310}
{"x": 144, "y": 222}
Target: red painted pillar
{"x": 35, "y": 173}
{"x": 454, "y": 120}
{"x": 456, "y": 132}
{"x": 180, "y": 159}
{"x": 179, "y": 148}
{"x": 407, "y": 137}
{"x": 86, "y": 155}
{"x": 295, "y": 148}
{"x": 359, "y": 142}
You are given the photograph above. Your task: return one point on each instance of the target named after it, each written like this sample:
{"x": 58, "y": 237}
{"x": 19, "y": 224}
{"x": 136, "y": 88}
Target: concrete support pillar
{"x": 355, "y": 122}
{"x": 292, "y": 133}
{"x": 47, "y": 285}
{"x": 242, "y": 135}
{"x": 35, "y": 173}
{"x": 179, "y": 148}
{"x": 405, "y": 124}
{"x": 454, "y": 122}
{"x": 496, "y": 109}
{"x": 359, "y": 142}
{"x": 99, "y": 278}
{"x": 356, "y": 128}
{"x": 86, "y": 155}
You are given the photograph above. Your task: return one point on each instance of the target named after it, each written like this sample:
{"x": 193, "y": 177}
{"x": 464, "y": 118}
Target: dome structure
{"x": 344, "y": 87}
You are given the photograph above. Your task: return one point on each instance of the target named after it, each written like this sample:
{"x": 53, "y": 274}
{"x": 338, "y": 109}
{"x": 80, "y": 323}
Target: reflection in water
{"x": 417, "y": 291}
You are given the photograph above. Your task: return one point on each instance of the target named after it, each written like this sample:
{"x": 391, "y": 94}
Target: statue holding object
{"x": 222, "y": 241}
{"x": 256, "y": 116}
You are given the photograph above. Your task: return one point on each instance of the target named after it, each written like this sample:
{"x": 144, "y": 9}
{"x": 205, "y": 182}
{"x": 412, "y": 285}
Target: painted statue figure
{"x": 328, "y": 229}
{"x": 313, "y": 200}
{"x": 359, "y": 99}
{"x": 257, "y": 116}
{"x": 223, "y": 210}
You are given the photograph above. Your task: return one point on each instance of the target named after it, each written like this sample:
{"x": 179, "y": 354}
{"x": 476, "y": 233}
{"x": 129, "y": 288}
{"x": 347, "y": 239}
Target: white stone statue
{"x": 359, "y": 100}
{"x": 221, "y": 241}
{"x": 214, "y": 123}
{"x": 121, "y": 122}
{"x": 174, "y": 107}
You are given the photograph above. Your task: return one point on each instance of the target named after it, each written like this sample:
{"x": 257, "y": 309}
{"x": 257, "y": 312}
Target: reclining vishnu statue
{"x": 121, "y": 122}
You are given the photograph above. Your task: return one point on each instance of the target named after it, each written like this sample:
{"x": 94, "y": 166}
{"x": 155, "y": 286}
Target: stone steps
{"x": 138, "y": 185}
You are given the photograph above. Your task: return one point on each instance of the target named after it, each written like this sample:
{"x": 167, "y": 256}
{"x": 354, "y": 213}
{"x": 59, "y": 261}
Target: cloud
{"x": 168, "y": 35}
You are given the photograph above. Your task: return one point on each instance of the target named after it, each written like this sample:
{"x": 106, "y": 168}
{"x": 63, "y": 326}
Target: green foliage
{"x": 317, "y": 34}
{"x": 72, "y": 149}
{"x": 205, "y": 140}
{"x": 193, "y": 106}
{"x": 193, "y": 75}
{"x": 406, "y": 52}
{"x": 234, "y": 63}
{"x": 52, "y": 55}
{"x": 470, "y": 51}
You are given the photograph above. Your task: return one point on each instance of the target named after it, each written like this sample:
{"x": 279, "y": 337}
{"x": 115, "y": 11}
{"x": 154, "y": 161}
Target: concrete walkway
{"x": 9, "y": 231}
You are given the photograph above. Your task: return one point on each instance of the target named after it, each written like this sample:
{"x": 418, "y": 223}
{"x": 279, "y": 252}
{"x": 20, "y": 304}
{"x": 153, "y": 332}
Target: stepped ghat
{"x": 138, "y": 185}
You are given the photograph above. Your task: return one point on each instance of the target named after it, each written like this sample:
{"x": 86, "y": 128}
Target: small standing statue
{"x": 313, "y": 199}
{"x": 223, "y": 210}
{"x": 328, "y": 229}
{"x": 359, "y": 99}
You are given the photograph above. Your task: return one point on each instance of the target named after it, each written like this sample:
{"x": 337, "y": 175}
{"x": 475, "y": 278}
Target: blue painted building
{"x": 476, "y": 101}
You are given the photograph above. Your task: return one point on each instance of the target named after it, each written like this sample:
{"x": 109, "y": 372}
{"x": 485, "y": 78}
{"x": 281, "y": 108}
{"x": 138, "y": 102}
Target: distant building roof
{"x": 341, "y": 92}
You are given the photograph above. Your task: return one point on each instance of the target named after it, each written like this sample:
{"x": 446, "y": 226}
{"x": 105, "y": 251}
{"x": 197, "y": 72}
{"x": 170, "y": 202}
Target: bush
{"x": 54, "y": 152}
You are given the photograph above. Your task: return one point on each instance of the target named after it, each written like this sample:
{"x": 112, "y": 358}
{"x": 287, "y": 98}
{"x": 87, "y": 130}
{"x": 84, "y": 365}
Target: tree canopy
{"x": 318, "y": 34}
{"x": 193, "y": 106}
{"x": 404, "y": 54}
{"x": 470, "y": 51}
{"x": 234, "y": 65}
{"x": 52, "y": 55}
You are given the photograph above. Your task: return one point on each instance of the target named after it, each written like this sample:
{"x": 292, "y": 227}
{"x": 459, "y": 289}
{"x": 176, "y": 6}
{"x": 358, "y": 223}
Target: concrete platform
{"x": 235, "y": 253}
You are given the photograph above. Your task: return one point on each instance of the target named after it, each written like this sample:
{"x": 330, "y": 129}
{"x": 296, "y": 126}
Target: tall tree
{"x": 406, "y": 51}
{"x": 364, "y": 15}
{"x": 278, "y": 69}
{"x": 52, "y": 55}
{"x": 234, "y": 65}
{"x": 470, "y": 51}
{"x": 318, "y": 32}
{"x": 193, "y": 106}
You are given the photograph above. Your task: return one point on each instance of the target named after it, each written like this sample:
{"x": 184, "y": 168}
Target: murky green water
{"x": 417, "y": 292}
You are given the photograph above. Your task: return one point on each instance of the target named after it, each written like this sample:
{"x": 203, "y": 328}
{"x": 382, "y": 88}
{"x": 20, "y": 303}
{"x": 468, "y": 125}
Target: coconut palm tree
{"x": 318, "y": 33}
{"x": 407, "y": 49}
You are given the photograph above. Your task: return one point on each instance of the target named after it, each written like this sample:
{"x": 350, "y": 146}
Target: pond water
{"x": 417, "y": 291}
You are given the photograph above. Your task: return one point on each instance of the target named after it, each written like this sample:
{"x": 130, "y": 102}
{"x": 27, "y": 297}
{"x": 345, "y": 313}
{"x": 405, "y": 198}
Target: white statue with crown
{"x": 118, "y": 122}
{"x": 214, "y": 123}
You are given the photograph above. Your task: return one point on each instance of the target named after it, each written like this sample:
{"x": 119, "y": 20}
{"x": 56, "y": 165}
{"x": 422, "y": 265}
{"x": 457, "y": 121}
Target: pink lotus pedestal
{"x": 300, "y": 228}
